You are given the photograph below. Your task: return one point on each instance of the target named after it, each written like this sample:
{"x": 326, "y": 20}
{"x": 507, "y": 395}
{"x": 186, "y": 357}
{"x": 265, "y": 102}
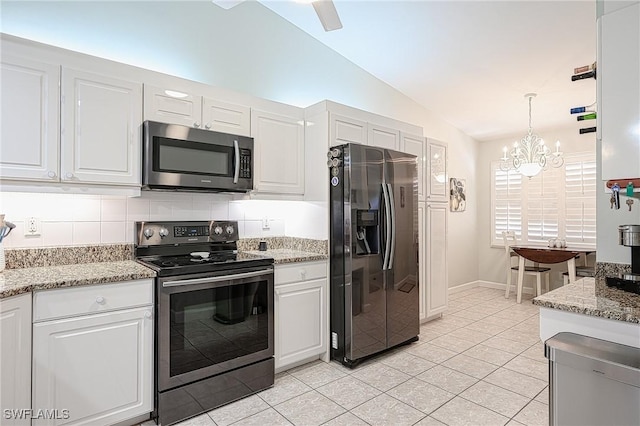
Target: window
{"x": 557, "y": 203}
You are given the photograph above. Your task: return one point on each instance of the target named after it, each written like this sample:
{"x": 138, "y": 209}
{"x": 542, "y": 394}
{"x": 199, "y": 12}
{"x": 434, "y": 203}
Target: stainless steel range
{"x": 214, "y": 316}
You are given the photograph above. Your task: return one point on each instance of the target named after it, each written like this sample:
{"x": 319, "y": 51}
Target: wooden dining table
{"x": 547, "y": 255}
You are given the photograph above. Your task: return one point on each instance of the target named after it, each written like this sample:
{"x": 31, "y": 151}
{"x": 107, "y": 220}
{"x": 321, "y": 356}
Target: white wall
{"x": 492, "y": 260}
{"x": 252, "y": 50}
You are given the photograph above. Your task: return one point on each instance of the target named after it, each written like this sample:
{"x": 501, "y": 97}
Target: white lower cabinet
{"x": 15, "y": 360}
{"x": 300, "y": 313}
{"x": 436, "y": 288}
{"x": 432, "y": 228}
{"x": 97, "y": 367}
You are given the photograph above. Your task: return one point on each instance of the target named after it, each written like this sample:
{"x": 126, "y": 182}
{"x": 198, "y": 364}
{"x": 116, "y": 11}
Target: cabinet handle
{"x": 100, "y": 300}
{"x": 303, "y": 273}
{"x": 207, "y": 126}
{"x": 51, "y": 174}
{"x": 196, "y": 124}
{"x": 147, "y": 314}
{"x": 69, "y": 175}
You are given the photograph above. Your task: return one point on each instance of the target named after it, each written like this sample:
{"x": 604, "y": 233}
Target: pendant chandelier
{"x": 529, "y": 156}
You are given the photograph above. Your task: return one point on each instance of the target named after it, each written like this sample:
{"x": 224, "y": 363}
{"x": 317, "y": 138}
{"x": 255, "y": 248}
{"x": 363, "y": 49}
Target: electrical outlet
{"x": 32, "y": 226}
{"x": 265, "y": 222}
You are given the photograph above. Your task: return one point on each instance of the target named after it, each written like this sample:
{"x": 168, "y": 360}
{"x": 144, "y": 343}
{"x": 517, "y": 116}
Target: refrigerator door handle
{"x": 392, "y": 245}
{"x": 387, "y": 219}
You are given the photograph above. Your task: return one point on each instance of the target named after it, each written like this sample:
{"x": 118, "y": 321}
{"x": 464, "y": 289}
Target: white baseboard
{"x": 487, "y": 284}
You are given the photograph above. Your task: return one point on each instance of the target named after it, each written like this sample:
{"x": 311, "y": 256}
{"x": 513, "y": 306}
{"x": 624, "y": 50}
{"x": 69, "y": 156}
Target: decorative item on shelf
{"x": 587, "y": 108}
{"x": 530, "y": 155}
{"x": 585, "y": 68}
{"x": 458, "y": 196}
{"x": 587, "y": 130}
{"x": 590, "y": 116}
{"x": 584, "y": 76}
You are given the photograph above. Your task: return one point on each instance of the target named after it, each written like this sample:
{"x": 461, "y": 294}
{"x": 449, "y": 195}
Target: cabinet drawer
{"x": 73, "y": 301}
{"x": 297, "y": 272}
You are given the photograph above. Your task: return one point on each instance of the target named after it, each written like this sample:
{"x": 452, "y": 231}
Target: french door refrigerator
{"x": 373, "y": 251}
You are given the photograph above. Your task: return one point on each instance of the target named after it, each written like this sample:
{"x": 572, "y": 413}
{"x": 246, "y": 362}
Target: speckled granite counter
{"x": 281, "y": 255}
{"x": 591, "y": 296}
{"x": 17, "y": 281}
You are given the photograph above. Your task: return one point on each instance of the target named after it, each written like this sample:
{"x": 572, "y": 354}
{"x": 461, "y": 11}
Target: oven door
{"x": 211, "y": 324}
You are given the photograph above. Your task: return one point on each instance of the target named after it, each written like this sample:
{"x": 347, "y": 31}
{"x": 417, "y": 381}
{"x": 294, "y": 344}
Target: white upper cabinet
{"x": 618, "y": 121}
{"x": 436, "y": 166}
{"x": 278, "y": 153}
{"x": 347, "y": 130}
{"x": 226, "y": 117}
{"x": 412, "y": 144}
{"x": 172, "y": 106}
{"x": 101, "y": 129}
{"x": 30, "y": 119}
{"x": 188, "y": 109}
{"x": 383, "y": 137}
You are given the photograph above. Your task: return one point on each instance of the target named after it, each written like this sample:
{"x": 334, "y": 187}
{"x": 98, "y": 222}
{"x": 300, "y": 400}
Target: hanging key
{"x": 616, "y": 195}
{"x": 629, "y": 203}
{"x": 612, "y": 200}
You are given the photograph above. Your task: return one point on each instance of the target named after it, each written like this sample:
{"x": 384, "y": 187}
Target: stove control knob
{"x": 163, "y": 232}
{"x": 230, "y": 230}
{"x": 148, "y": 232}
{"x": 217, "y": 230}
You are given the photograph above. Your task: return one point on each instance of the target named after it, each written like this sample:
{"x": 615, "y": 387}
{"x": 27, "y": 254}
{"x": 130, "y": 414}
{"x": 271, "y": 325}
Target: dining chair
{"x": 509, "y": 238}
{"x": 585, "y": 270}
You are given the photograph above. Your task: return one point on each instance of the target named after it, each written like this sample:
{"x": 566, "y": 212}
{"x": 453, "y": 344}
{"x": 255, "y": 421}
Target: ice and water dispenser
{"x": 366, "y": 230}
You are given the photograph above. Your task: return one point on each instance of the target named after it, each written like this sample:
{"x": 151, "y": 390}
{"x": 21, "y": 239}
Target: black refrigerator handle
{"x": 392, "y": 244}
{"x": 387, "y": 224}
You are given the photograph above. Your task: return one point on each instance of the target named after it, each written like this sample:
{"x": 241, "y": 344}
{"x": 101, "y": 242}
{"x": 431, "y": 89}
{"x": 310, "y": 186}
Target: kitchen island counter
{"x": 24, "y": 280}
{"x": 591, "y": 308}
{"x": 592, "y": 296}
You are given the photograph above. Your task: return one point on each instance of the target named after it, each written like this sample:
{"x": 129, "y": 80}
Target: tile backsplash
{"x": 72, "y": 219}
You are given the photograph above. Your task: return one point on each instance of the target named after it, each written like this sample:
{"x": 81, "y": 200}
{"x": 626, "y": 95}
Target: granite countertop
{"x": 591, "y": 296}
{"x": 17, "y": 281}
{"x": 284, "y": 255}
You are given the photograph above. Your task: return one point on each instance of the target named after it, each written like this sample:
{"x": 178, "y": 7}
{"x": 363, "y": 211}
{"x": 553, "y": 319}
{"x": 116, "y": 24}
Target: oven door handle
{"x": 215, "y": 279}
{"x": 236, "y": 153}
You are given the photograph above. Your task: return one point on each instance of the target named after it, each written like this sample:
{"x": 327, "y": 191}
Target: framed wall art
{"x": 458, "y": 196}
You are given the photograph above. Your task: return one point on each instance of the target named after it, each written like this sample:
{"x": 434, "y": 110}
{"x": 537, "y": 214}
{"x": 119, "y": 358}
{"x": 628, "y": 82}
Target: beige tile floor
{"x": 481, "y": 364}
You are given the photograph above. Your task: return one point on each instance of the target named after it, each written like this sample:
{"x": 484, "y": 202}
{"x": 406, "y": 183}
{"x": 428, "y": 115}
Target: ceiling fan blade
{"x": 326, "y": 11}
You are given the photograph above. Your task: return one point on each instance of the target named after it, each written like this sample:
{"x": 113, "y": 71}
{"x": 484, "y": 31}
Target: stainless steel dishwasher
{"x": 592, "y": 381}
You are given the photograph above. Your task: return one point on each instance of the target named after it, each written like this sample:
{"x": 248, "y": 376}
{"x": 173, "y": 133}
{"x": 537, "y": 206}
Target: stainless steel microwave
{"x": 181, "y": 158}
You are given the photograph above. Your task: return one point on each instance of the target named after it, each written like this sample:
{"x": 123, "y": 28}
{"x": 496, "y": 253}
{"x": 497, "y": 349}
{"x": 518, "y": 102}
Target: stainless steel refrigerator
{"x": 373, "y": 251}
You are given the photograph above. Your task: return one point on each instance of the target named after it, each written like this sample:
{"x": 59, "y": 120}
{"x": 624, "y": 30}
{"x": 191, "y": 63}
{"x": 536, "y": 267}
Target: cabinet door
{"x": 15, "y": 358}
{"x": 172, "y": 106}
{"x": 30, "y": 117}
{"x": 225, "y": 117}
{"x": 278, "y": 154}
{"x": 300, "y": 331}
{"x": 618, "y": 104}
{"x": 101, "y": 135}
{"x": 383, "y": 137}
{"x": 98, "y": 367}
{"x": 415, "y": 145}
{"x": 347, "y": 130}
{"x": 436, "y": 165}
{"x": 422, "y": 260}
{"x": 436, "y": 283}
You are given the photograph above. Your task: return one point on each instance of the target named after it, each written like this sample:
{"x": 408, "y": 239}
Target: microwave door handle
{"x": 236, "y": 154}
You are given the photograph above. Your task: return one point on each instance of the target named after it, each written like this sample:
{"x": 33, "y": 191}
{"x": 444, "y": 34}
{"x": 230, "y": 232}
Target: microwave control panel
{"x": 245, "y": 163}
